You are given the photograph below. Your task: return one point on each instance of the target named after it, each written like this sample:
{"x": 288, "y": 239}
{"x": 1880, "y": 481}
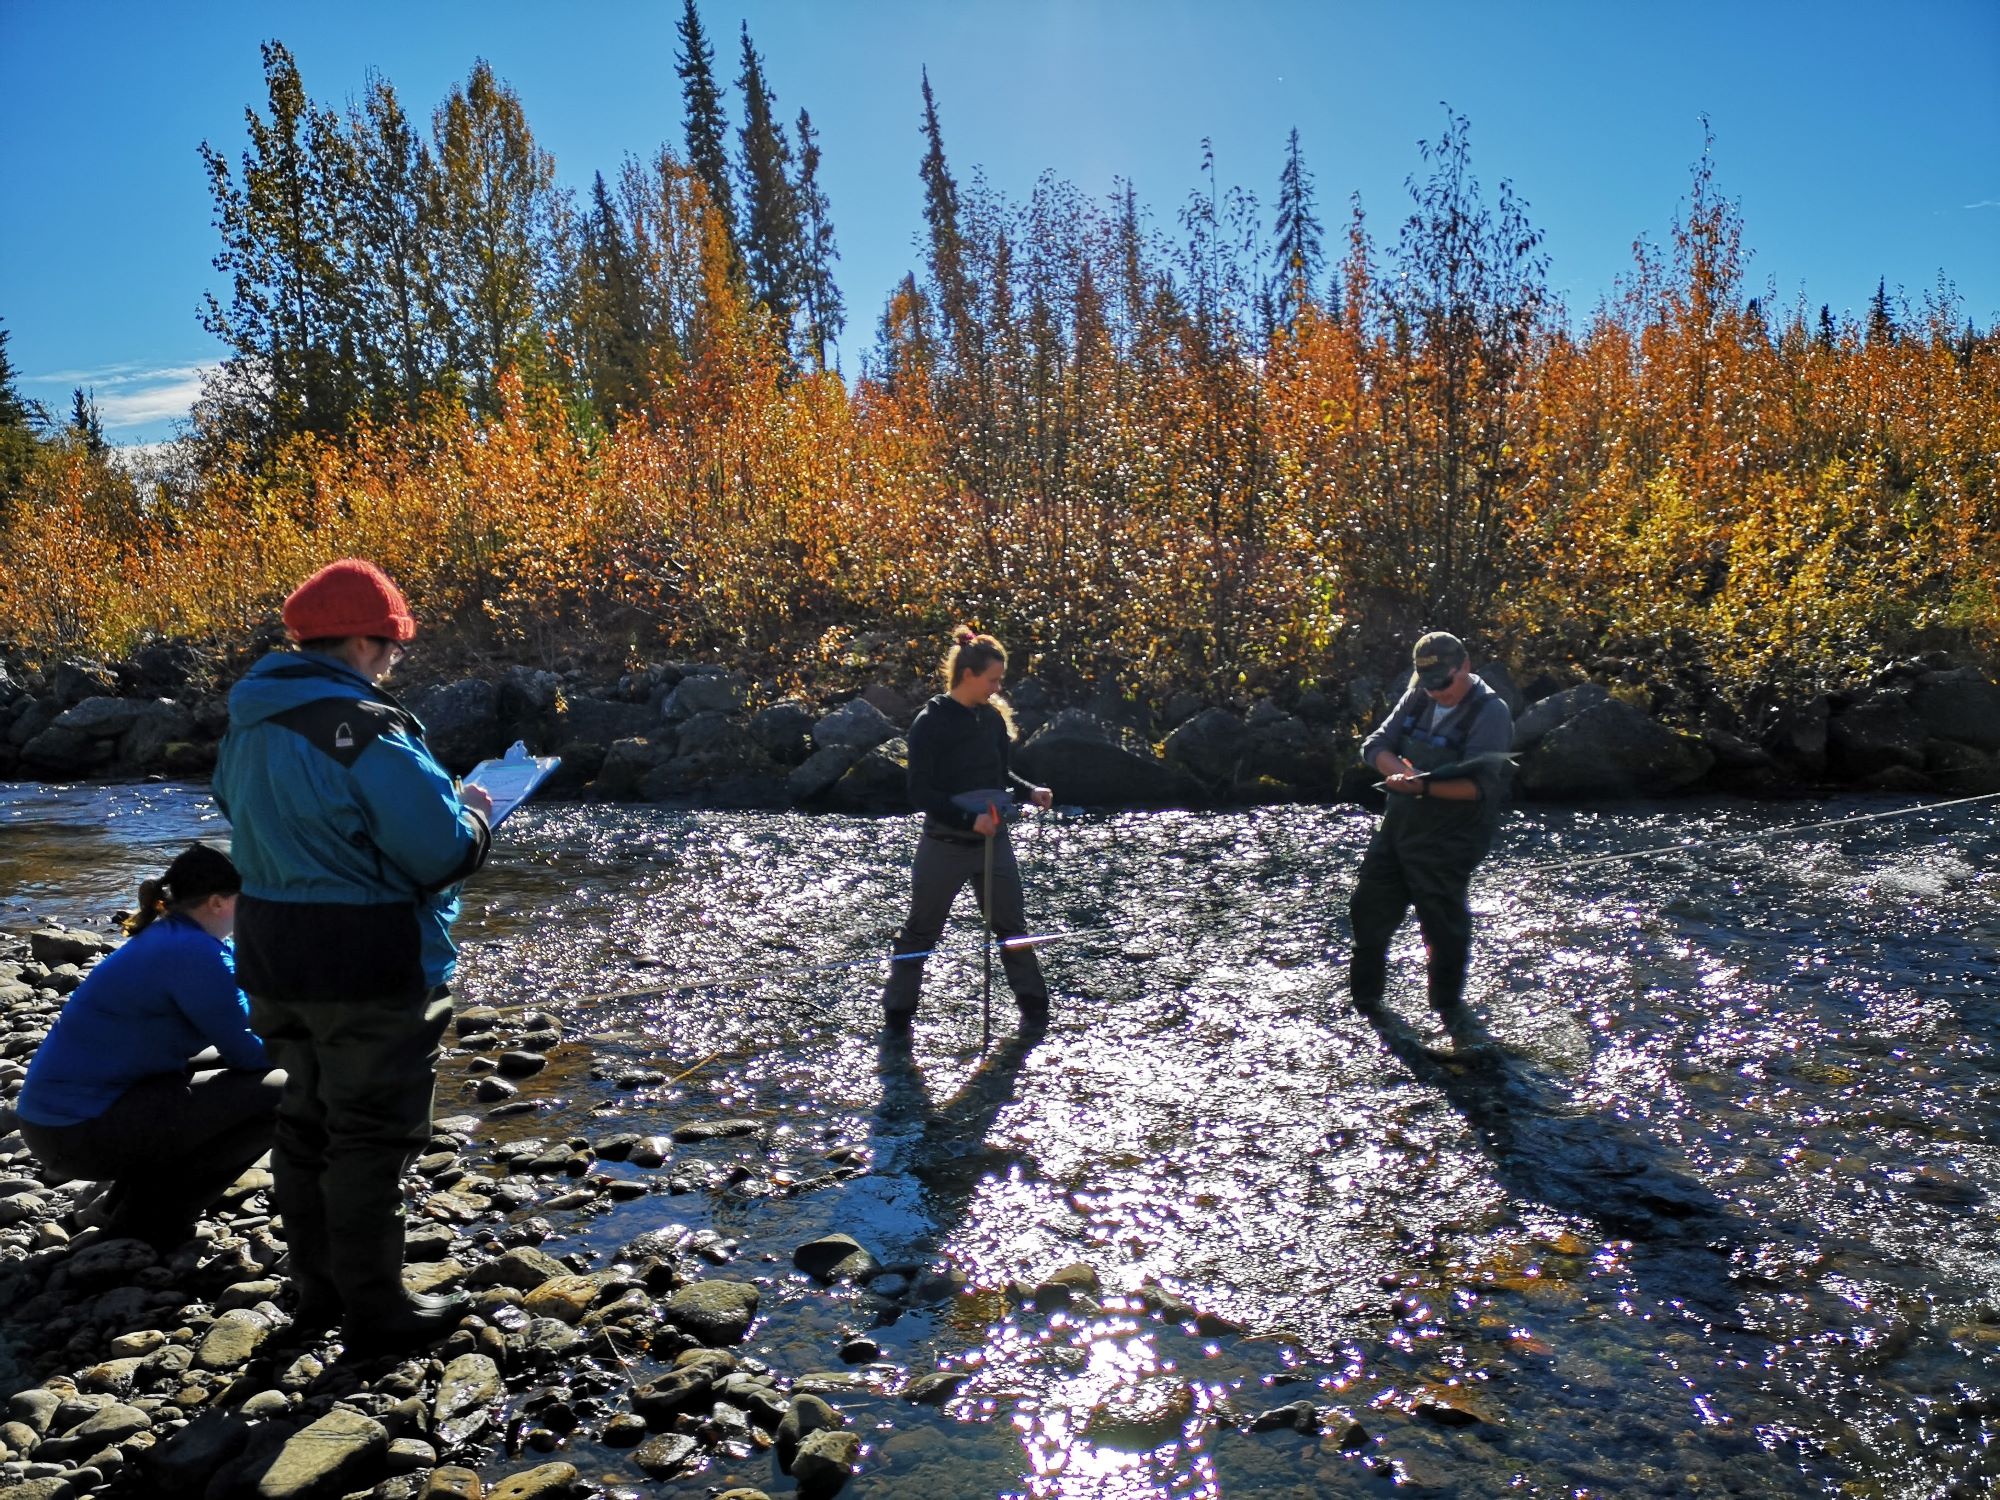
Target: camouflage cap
{"x": 1436, "y": 657}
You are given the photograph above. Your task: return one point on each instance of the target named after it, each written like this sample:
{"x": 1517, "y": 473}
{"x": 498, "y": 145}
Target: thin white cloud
{"x": 1983, "y": 203}
{"x": 128, "y": 395}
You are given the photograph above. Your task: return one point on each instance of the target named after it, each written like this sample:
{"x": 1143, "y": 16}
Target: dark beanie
{"x": 198, "y": 872}
{"x": 348, "y": 598}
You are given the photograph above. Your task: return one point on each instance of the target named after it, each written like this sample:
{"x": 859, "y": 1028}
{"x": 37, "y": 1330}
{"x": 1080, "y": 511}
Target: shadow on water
{"x": 942, "y": 1144}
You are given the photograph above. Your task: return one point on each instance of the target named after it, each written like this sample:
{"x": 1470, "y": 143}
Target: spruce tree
{"x": 1881, "y": 322}
{"x": 706, "y": 127}
{"x": 825, "y": 313}
{"x": 1298, "y": 255}
{"x": 615, "y": 332}
{"x": 85, "y": 424}
{"x": 948, "y": 273}
{"x": 773, "y": 239}
{"x": 19, "y": 417}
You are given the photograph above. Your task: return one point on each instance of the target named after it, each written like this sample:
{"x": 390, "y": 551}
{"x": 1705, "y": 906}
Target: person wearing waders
{"x": 961, "y": 782}
{"x": 352, "y": 841}
{"x": 1437, "y": 827}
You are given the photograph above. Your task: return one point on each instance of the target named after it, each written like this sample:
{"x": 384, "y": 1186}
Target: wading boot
{"x": 424, "y": 1319}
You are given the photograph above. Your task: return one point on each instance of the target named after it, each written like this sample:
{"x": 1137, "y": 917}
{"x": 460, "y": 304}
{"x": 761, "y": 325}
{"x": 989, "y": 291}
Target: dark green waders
{"x": 360, "y": 1079}
{"x": 1423, "y": 855}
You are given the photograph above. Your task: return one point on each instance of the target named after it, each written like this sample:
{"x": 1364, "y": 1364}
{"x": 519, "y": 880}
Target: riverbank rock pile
{"x": 699, "y": 733}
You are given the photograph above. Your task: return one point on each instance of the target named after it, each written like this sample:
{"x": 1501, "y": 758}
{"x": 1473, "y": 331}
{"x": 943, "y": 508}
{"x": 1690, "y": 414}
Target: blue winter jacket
{"x": 348, "y": 833}
{"x": 142, "y": 1011}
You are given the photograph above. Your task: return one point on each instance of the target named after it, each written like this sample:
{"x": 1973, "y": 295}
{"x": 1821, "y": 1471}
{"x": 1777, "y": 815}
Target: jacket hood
{"x": 283, "y": 680}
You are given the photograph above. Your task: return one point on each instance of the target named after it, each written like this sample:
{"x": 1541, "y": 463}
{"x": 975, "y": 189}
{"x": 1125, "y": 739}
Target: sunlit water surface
{"x": 1711, "y": 1213}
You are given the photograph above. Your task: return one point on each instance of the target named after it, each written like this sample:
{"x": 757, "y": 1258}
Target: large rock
{"x": 341, "y": 1452}
{"x": 820, "y": 771}
{"x": 716, "y": 1312}
{"x": 856, "y": 725}
{"x": 529, "y": 704}
{"x": 626, "y": 766}
{"x": 824, "y": 1462}
{"x": 707, "y": 693}
{"x": 461, "y": 722}
{"x": 783, "y": 731}
{"x": 1558, "y": 708}
{"x": 1610, "y": 749}
{"x": 556, "y": 1481}
{"x": 878, "y": 782}
{"x": 1879, "y": 733}
{"x": 1085, "y": 759}
{"x": 711, "y": 744}
{"x": 1961, "y": 705}
{"x": 96, "y": 731}
{"x": 1291, "y": 753}
{"x": 1210, "y": 746}
{"x": 56, "y": 946}
{"x": 599, "y": 721}
{"x": 191, "y": 1456}
{"x": 78, "y": 678}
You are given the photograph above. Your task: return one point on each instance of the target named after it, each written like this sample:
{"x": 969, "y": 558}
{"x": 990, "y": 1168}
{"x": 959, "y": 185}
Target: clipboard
{"x": 511, "y": 779}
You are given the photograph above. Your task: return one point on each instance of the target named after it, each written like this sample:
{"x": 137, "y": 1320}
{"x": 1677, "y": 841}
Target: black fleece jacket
{"x": 956, "y": 749}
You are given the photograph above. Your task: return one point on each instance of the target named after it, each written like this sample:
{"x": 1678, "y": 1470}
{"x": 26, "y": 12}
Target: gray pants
{"x": 356, "y": 1110}
{"x": 943, "y": 867}
{"x": 168, "y": 1146}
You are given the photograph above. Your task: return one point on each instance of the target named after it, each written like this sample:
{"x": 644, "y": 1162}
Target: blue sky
{"x": 1862, "y": 141}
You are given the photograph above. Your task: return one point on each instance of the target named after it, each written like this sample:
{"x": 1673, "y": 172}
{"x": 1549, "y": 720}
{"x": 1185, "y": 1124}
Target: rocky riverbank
{"x": 703, "y": 734}
{"x": 139, "y": 1374}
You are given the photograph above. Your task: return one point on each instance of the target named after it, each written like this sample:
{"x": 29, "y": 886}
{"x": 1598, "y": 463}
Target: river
{"x": 1712, "y": 1212}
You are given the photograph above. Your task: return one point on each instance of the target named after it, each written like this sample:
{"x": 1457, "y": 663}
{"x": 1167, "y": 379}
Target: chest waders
{"x": 1423, "y": 854}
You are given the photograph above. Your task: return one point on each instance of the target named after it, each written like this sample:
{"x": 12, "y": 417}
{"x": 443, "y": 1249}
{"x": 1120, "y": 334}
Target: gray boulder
{"x": 1496, "y": 676}
{"x": 1291, "y": 753}
{"x": 1083, "y": 759}
{"x": 1210, "y": 746}
{"x": 879, "y": 781}
{"x": 461, "y": 722}
{"x": 1558, "y": 708}
{"x": 1961, "y": 705}
{"x": 78, "y": 678}
{"x": 817, "y": 774}
{"x": 1610, "y": 749}
{"x": 783, "y": 731}
{"x": 600, "y": 721}
{"x": 626, "y": 765}
{"x": 715, "y": 1312}
{"x": 711, "y": 744}
{"x": 97, "y": 732}
{"x": 1879, "y": 733}
{"x": 529, "y": 704}
{"x": 1798, "y": 736}
{"x": 856, "y": 725}
{"x": 706, "y": 693}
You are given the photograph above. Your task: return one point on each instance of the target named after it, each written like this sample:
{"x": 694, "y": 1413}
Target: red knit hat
{"x": 345, "y": 598}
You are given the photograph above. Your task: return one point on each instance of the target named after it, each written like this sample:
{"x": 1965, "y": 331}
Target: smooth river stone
{"x": 340, "y": 1452}
{"x": 716, "y": 1312}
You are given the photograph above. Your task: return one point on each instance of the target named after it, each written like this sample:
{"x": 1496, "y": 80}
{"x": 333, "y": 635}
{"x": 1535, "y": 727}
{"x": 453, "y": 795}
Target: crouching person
{"x": 115, "y": 1093}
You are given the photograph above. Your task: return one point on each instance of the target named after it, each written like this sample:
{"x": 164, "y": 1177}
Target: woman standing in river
{"x": 961, "y": 782}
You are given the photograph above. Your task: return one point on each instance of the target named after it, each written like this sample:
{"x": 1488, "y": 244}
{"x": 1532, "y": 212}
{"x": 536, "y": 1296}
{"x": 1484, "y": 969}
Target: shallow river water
{"x": 1713, "y": 1211}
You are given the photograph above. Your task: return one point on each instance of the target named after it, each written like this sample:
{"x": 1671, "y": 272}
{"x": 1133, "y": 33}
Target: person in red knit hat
{"x": 352, "y": 841}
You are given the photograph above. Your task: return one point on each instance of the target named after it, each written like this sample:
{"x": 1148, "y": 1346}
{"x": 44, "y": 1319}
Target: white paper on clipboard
{"x": 511, "y": 779}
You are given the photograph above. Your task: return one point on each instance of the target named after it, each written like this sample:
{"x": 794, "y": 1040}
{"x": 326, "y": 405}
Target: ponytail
{"x": 198, "y": 872}
{"x": 976, "y": 653}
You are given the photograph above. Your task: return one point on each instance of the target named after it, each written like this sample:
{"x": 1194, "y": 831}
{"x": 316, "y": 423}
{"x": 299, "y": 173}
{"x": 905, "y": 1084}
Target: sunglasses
{"x": 397, "y": 650}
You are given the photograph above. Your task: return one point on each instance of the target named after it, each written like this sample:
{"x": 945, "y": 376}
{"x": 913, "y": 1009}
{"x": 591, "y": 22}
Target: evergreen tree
{"x": 613, "y": 313}
{"x": 825, "y": 313}
{"x": 19, "y": 417}
{"x": 773, "y": 238}
{"x": 1828, "y": 334}
{"x": 85, "y": 424}
{"x": 948, "y": 272}
{"x": 1881, "y": 322}
{"x": 1297, "y": 256}
{"x": 706, "y": 127}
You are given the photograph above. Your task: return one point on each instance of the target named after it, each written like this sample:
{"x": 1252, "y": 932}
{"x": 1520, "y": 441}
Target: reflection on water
{"x": 1702, "y": 1205}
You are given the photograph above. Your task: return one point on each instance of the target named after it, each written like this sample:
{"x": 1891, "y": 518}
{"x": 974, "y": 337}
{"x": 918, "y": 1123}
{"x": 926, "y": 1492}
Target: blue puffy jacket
{"x": 348, "y": 833}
